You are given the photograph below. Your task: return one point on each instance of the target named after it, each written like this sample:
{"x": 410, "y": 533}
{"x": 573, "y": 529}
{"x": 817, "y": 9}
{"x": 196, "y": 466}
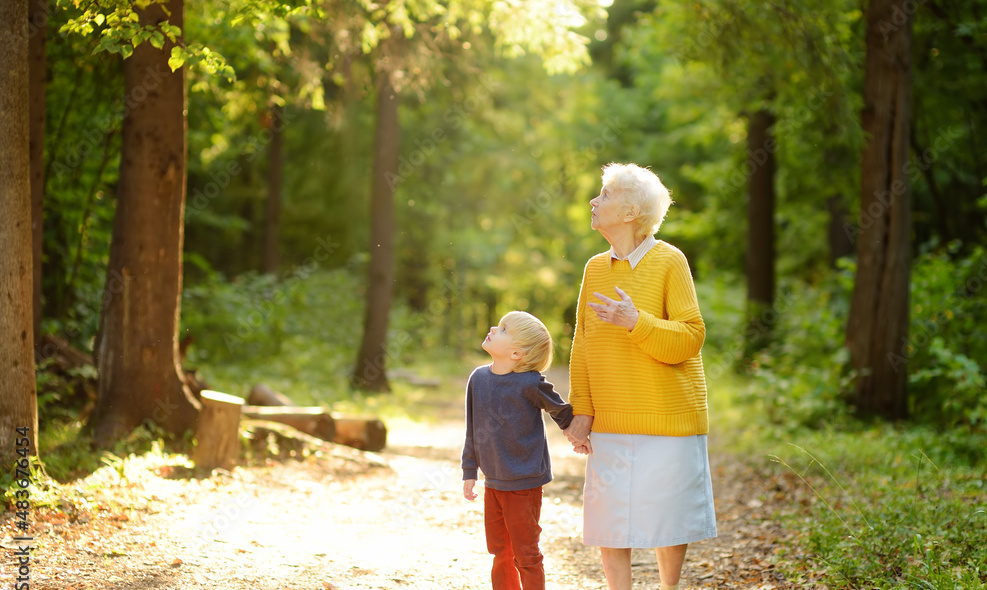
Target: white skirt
{"x": 647, "y": 491}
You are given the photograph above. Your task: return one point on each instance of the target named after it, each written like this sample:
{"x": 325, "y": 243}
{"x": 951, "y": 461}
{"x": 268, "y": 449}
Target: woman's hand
{"x": 578, "y": 433}
{"x": 619, "y": 313}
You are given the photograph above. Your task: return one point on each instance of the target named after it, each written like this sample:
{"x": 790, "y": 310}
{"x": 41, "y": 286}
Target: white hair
{"x": 642, "y": 190}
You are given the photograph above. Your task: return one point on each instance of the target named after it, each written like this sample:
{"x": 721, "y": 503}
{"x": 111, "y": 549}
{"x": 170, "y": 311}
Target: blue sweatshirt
{"x": 505, "y": 432}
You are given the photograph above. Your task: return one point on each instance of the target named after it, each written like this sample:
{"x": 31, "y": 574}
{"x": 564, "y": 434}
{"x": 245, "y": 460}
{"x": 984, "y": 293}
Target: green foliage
{"x": 801, "y": 377}
{"x": 116, "y": 25}
{"x": 298, "y": 335}
{"x": 889, "y": 508}
{"x": 85, "y": 104}
{"x": 946, "y": 348}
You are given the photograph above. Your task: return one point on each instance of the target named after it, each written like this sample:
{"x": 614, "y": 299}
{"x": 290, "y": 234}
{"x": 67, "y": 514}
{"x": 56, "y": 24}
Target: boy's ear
{"x": 517, "y": 354}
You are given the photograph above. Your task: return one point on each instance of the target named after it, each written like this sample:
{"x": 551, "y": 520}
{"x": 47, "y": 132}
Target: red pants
{"x": 511, "y": 523}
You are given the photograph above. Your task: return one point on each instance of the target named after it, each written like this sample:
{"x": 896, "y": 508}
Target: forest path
{"x": 390, "y": 520}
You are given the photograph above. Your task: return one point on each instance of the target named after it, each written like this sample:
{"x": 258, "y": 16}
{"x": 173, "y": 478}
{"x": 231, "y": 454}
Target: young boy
{"x": 505, "y": 438}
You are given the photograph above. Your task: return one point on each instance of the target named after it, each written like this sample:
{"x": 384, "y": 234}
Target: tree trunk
{"x": 18, "y": 395}
{"x": 840, "y": 244}
{"x": 274, "y": 166}
{"x": 136, "y": 352}
{"x": 370, "y": 371}
{"x": 761, "y": 148}
{"x": 38, "y": 34}
{"x": 877, "y": 328}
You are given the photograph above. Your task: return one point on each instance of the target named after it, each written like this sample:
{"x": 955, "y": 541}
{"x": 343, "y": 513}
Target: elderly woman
{"x": 637, "y": 382}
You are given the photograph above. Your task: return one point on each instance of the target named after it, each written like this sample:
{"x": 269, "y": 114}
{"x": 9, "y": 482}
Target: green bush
{"x": 947, "y": 347}
{"x": 803, "y": 374}
{"x": 889, "y": 508}
{"x": 298, "y": 334}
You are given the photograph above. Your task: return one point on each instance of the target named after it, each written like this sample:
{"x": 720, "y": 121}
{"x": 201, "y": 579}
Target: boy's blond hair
{"x": 530, "y": 335}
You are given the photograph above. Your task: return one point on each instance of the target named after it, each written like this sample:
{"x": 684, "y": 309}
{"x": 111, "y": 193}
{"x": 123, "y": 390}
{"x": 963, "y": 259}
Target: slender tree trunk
{"x": 370, "y": 371}
{"x": 877, "y": 328}
{"x": 38, "y": 34}
{"x": 140, "y": 380}
{"x": 18, "y": 394}
{"x": 274, "y": 165}
{"x": 760, "y": 230}
{"x": 839, "y": 242}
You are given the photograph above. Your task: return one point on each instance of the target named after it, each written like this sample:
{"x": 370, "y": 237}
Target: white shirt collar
{"x": 638, "y": 254}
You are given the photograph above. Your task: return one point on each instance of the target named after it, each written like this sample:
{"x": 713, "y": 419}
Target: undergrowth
{"x": 886, "y": 507}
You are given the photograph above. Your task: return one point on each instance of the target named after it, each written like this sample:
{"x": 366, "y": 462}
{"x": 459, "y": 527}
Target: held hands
{"x": 619, "y": 313}
{"x": 578, "y": 434}
{"x": 468, "y": 492}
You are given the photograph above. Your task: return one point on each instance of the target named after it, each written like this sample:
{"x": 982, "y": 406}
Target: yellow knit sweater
{"x": 648, "y": 380}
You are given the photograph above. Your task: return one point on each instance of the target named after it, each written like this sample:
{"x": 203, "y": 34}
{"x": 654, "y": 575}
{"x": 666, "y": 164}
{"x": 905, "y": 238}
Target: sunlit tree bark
{"x": 18, "y": 397}
{"x": 38, "y": 35}
{"x": 140, "y": 380}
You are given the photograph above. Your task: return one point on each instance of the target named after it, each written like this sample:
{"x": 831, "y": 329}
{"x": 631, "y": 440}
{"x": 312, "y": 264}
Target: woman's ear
{"x": 632, "y": 212}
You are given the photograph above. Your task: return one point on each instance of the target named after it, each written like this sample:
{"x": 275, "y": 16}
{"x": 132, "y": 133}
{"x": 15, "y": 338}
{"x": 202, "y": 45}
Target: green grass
{"x": 889, "y": 507}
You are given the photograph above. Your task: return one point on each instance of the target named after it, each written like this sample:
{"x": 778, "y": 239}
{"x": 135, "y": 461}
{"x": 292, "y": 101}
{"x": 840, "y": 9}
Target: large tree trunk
{"x": 137, "y": 349}
{"x": 370, "y": 371}
{"x": 760, "y": 229}
{"x": 38, "y": 34}
{"x": 18, "y": 395}
{"x": 877, "y": 329}
{"x": 273, "y": 218}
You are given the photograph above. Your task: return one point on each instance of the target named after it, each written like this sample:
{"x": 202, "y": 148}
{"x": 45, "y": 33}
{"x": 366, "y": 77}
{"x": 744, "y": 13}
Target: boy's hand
{"x": 468, "y": 489}
{"x": 583, "y": 449}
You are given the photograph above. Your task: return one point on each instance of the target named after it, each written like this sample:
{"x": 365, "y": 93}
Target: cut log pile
{"x": 219, "y": 428}
{"x": 266, "y": 407}
{"x": 360, "y": 432}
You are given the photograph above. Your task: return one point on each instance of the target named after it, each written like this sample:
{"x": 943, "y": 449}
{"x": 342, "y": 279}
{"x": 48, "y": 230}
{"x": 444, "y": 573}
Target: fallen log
{"x": 360, "y": 432}
{"x": 366, "y": 434}
{"x": 311, "y": 420}
{"x": 262, "y": 395}
{"x": 218, "y": 432}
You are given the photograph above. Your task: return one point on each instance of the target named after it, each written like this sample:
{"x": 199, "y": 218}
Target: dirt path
{"x": 393, "y": 520}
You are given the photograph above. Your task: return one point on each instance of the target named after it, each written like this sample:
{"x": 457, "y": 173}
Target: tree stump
{"x": 218, "y": 433}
